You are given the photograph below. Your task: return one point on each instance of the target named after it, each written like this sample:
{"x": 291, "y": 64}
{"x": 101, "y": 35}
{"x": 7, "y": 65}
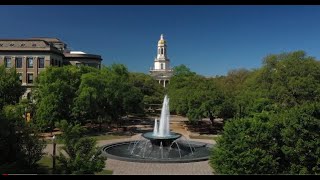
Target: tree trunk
{"x": 52, "y": 127}
{"x": 100, "y": 125}
{"x": 211, "y": 118}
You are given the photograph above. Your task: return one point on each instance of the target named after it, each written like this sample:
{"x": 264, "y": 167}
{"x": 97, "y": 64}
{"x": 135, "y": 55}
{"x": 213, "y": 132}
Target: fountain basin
{"x": 165, "y": 140}
{"x": 119, "y": 151}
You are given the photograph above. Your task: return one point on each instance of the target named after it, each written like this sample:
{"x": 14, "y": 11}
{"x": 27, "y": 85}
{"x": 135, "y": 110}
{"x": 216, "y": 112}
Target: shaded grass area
{"x": 201, "y": 137}
{"x": 205, "y": 127}
{"x": 107, "y": 136}
{"x": 98, "y": 137}
{"x": 204, "y": 137}
{"x": 105, "y": 172}
{"x": 42, "y": 167}
{"x": 46, "y": 165}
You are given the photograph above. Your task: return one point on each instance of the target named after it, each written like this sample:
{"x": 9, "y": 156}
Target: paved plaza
{"x": 135, "y": 168}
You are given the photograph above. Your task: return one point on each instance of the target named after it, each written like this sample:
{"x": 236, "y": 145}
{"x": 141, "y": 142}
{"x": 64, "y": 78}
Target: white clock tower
{"x": 161, "y": 70}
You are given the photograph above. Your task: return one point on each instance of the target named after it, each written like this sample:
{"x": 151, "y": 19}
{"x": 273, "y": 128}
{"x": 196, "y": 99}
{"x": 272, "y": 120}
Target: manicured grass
{"x": 204, "y": 137}
{"x": 98, "y": 138}
{"x": 46, "y": 162}
{"x": 49, "y": 141}
{"x": 109, "y": 137}
{"x": 104, "y": 172}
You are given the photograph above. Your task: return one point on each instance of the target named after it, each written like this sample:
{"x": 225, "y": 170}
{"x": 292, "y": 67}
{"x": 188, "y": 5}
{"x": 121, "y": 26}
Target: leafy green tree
{"x": 300, "y": 139}
{"x": 82, "y": 156}
{"x": 247, "y": 146}
{"x": 55, "y": 93}
{"x": 285, "y": 142}
{"x": 288, "y": 79}
{"x": 182, "y": 70}
{"x": 20, "y": 144}
{"x": 107, "y": 94}
{"x": 178, "y": 89}
{"x": 91, "y": 98}
{"x": 196, "y": 96}
{"x": 152, "y": 91}
{"x": 10, "y": 87}
{"x": 123, "y": 97}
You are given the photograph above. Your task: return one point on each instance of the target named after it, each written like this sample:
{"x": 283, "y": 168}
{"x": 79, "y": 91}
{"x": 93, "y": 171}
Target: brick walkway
{"x": 134, "y": 168}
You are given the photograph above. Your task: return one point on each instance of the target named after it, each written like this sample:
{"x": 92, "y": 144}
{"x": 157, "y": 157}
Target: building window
{"x": 161, "y": 50}
{"x": 20, "y": 77}
{"x": 7, "y": 62}
{"x": 55, "y": 62}
{"x": 30, "y": 78}
{"x": 59, "y": 63}
{"x": 51, "y": 62}
{"x": 161, "y": 66}
{"x": 41, "y": 62}
{"x": 29, "y": 62}
{"x": 18, "y": 62}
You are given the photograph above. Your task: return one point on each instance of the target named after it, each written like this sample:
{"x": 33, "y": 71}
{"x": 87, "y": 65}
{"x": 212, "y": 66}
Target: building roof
{"x": 48, "y": 39}
{"x": 161, "y": 41}
{"x": 42, "y": 44}
{"x": 92, "y": 56}
{"x": 77, "y": 52}
{"x": 26, "y": 45}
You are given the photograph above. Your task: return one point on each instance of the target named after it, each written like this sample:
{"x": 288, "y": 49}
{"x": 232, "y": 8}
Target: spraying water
{"x": 155, "y": 129}
{"x": 164, "y": 128}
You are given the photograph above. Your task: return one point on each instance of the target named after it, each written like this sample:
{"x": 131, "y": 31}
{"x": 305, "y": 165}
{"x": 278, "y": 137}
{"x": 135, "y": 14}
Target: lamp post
{"x": 54, "y": 154}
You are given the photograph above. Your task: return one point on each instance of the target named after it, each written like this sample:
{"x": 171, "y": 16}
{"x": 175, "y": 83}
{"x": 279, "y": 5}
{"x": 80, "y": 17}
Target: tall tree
{"x": 247, "y": 146}
{"x": 83, "y": 157}
{"x": 21, "y": 147}
{"x": 55, "y": 93}
{"x": 10, "y": 87}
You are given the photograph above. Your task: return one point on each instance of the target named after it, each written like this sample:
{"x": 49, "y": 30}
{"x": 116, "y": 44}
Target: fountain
{"x": 161, "y": 145}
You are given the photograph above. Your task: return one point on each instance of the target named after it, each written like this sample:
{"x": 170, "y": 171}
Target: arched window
{"x": 161, "y": 50}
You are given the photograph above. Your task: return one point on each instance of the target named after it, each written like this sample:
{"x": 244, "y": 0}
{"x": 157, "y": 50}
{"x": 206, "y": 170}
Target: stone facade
{"x": 31, "y": 56}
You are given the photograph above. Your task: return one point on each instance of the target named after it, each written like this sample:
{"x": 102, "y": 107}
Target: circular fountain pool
{"x": 160, "y": 146}
{"x": 144, "y": 150}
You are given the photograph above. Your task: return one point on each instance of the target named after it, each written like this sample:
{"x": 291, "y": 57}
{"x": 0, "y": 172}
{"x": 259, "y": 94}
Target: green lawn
{"x": 104, "y": 172}
{"x": 108, "y": 137}
{"x": 46, "y": 166}
{"x": 204, "y": 137}
{"x": 98, "y": 137}
{"x": 46, "y": 161}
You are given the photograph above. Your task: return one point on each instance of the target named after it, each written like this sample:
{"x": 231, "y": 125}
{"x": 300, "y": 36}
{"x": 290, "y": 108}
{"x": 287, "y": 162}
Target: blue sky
{"x": 210, "y": 40}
